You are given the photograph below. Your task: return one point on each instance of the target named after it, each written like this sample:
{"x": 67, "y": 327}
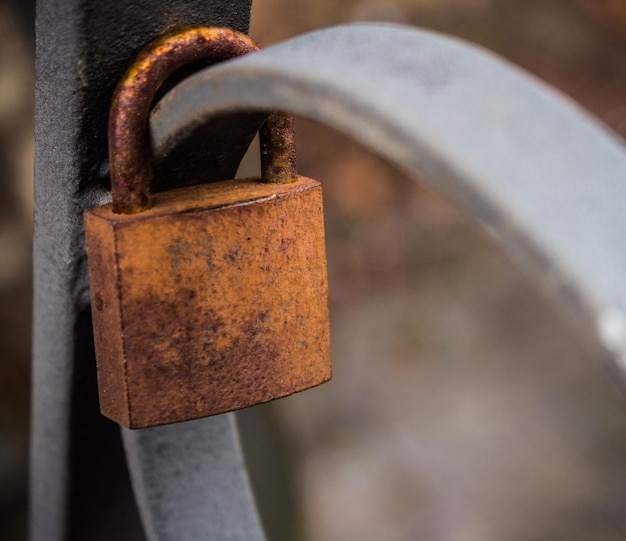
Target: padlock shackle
{"x": 129, "y": 153}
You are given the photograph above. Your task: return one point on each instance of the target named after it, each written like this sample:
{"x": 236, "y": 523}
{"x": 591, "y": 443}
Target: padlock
{"x": 210, "y": 298}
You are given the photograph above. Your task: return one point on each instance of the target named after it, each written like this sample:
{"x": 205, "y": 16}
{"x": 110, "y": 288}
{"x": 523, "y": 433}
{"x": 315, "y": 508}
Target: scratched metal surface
{"x": 536, "y": 171}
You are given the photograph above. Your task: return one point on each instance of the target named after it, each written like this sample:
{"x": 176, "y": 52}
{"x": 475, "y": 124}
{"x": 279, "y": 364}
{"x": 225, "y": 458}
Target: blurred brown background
{"x": 462, "y": 408}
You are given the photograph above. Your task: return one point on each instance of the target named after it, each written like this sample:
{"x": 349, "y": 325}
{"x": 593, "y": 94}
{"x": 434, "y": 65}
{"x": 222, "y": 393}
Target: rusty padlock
{"x": 209, "y": 298}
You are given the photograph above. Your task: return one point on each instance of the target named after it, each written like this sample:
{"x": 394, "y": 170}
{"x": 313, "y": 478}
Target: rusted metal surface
{"x": 216, "y": 297}
{"x": 130, "y": 165}
{"x": 212, "y": 300}
{"x": 278, "y": 149}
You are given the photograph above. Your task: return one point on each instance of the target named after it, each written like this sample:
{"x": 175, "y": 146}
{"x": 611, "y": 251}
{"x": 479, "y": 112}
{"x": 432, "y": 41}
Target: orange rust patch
{"x": 213, "y": 300}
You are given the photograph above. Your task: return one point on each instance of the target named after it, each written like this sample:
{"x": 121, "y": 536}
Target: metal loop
{"x": 129, "y": 155}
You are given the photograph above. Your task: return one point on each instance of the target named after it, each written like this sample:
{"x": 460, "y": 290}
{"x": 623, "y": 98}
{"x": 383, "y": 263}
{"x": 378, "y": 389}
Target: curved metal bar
{"x": 189, "y": 483}
{"x": 535, "y": 170}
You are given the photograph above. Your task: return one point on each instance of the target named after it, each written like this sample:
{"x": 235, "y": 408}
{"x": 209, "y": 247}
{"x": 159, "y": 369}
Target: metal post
{"x": 80, "y": 485}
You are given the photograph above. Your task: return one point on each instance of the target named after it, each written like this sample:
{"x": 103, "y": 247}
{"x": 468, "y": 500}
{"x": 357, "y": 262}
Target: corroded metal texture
{"x": 278, "y": 149}
{"x": 130, "y": 164}
{"x": 131, "y": 170}
{"x": 212, "y": 300}
{"x": 196, "y": 310}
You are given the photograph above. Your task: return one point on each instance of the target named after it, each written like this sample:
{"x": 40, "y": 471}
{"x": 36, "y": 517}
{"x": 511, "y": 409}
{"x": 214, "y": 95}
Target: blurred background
{"x": 463, "y": 407}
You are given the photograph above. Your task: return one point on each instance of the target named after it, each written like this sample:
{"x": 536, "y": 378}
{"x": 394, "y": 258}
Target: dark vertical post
{"x": 80, "y": 486}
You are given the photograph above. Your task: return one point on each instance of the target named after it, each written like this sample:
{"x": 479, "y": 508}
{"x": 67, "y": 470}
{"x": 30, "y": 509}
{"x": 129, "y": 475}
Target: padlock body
{"x": 213, "y": 300}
